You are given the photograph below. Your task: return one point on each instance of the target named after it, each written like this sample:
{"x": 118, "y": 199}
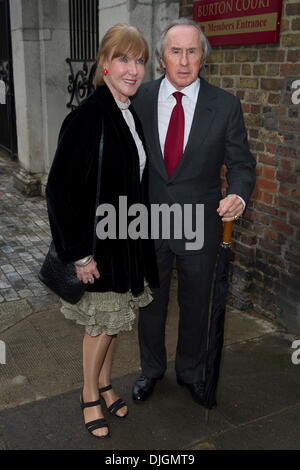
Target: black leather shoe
{"x": 143, "y": 388}
{"x": 196, "y": 390}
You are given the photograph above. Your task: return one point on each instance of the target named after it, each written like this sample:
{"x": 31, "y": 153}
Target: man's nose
{"x": 184, "y": 58}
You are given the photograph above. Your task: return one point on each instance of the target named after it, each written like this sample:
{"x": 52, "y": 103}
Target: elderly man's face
{"x": 182, "y": 55}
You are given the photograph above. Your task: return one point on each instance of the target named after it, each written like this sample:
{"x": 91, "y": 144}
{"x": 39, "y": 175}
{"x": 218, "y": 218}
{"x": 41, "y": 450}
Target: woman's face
{"x": 125, "y": 74}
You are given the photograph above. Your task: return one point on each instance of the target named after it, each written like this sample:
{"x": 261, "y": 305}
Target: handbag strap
{"x": 98, "y": 183}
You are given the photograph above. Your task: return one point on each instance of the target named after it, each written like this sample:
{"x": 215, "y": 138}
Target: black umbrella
{"x": 217, "y": 318}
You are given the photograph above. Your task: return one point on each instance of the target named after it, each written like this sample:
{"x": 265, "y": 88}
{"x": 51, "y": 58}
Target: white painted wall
{"x": 149, "y": 16}
{"x": 164, "y": 12}
{"x": 112, "y": 12}
{"x": 40, "y": 45}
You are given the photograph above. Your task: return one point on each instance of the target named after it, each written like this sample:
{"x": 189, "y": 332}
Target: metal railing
{"x": 84, "y": 42}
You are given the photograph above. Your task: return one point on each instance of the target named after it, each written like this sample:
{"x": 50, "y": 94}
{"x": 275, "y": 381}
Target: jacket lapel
{"x": 154, "y": 149}
{"x": 204, "y": 114}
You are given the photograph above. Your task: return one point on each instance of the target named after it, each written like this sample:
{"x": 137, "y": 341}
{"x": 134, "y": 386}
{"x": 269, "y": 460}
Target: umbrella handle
{"x": 227, "y": 232}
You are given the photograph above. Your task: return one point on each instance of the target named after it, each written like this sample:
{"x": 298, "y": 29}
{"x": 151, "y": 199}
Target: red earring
{"x": 105, "y": 72}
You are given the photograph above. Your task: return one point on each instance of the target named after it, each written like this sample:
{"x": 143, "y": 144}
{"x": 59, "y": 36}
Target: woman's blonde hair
{"x": 121, "y": 40}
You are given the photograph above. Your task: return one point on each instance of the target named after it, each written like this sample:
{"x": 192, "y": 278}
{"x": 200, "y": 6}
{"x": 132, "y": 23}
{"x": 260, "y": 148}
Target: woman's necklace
{"x": 122, "y": 105}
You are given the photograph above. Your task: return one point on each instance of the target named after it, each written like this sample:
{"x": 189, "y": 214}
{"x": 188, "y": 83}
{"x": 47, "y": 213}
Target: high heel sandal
{"x": 116, "y": 405}
{"x": 97, "y": 423}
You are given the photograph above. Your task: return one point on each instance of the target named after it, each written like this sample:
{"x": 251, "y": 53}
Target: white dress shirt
{"x": 166, "y": 103}
{"x": 127, "y": 115}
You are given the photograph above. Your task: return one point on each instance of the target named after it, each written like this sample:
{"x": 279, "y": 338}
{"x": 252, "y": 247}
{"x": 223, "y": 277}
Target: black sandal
{"x": 97, "y": 423}
{"x": 116, "y": 405}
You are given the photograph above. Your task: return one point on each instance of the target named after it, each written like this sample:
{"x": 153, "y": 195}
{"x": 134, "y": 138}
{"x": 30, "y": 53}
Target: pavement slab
{"x": 170, "y": 420}
{"x": 279, "y": 431}
{"x": 41, "y": 381}
{"x": 258, "y": 377}
{"x": 12, "y": 313}
{"x": 251, "y": 412}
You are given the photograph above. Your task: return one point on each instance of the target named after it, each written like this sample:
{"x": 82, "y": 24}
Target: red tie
{"x": 173, "y": 149}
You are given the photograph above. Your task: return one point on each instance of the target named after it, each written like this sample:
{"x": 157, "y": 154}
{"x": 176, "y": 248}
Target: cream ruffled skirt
{"x": 106, "y": 312}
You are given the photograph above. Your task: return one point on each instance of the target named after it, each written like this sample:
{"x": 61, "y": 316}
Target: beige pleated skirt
{"x": 106, "y": 312}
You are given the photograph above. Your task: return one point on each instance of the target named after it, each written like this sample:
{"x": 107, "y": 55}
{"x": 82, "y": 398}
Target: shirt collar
{"x": 191, "y": 91}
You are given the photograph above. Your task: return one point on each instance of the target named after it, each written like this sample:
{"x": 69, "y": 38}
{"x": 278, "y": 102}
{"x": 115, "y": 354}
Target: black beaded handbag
{"x": 61, "y": 277}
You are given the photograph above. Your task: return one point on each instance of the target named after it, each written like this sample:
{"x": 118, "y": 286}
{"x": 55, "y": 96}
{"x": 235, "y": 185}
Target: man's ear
{"x": 161, "y": 67}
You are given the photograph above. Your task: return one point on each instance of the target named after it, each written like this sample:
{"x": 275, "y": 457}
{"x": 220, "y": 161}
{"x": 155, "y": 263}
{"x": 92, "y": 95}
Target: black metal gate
{"x": 8, "y": 135}
{"x": 84, "y": 41}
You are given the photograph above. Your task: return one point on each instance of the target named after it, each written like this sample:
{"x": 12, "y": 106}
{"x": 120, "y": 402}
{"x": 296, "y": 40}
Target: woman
{"x": 115, "y": 273}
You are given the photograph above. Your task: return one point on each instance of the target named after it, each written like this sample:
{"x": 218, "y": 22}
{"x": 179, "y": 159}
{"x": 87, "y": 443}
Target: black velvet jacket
{"x": 71, "y": 193}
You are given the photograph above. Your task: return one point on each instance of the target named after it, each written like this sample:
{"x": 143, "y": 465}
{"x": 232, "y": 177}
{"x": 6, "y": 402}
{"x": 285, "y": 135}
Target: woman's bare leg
{"x": 105, "y": 377}
{"x": 94, "y": 353}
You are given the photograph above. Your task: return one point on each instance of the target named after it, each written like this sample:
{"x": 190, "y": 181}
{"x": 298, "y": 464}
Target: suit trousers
{"x": 195, "y": 275}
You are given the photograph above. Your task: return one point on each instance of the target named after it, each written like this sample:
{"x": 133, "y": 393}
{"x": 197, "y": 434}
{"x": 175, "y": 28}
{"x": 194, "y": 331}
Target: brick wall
{"x": 266, "y": 273}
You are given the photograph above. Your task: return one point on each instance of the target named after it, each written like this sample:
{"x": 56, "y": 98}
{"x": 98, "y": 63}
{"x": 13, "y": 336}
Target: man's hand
{"x": 230, "y": 208}
{"x": 87, "y": 273}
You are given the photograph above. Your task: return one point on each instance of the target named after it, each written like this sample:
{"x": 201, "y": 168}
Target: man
{"x": 191, "y": 129}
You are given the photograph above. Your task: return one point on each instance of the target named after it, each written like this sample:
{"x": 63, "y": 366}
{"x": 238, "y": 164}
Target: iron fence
{"x": 84, "y": 41}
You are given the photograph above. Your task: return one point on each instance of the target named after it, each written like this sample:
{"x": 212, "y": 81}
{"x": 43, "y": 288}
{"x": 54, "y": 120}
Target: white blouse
{"x": 127, "y": 115}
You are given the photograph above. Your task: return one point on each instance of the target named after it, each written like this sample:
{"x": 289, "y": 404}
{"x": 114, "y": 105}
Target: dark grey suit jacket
{"x": 217, "y": 136}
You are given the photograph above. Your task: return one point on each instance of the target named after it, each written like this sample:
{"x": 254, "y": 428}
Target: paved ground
{"x": 24, "y": 238}
{"x": 259, "y": 391}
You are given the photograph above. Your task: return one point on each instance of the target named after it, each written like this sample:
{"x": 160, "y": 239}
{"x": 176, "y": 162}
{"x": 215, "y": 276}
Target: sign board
{"x": 239, "y": 21}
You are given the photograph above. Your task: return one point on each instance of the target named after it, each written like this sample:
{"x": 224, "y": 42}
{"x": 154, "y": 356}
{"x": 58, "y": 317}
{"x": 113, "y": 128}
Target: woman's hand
{"x": 87, "y": 273}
